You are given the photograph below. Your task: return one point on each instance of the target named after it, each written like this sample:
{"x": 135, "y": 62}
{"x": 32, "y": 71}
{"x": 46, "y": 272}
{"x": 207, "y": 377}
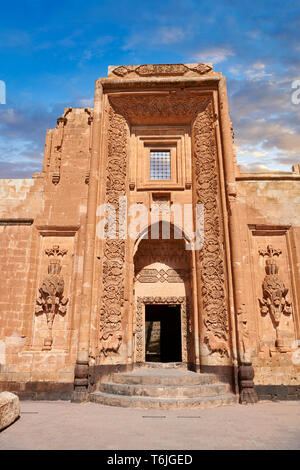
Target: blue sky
{"x": 51, "y": 53}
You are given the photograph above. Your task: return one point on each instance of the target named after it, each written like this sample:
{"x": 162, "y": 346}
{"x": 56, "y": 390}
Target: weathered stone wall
{"x": 269, "y": 208}
{"x": 21, "y": 202}
{"x": 36, "y": 215}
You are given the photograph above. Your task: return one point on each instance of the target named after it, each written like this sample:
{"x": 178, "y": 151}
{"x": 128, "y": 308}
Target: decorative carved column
{"x": 246, "y": 371}
{"x": 209, "y": 260}
{"x": 113, "y": 266}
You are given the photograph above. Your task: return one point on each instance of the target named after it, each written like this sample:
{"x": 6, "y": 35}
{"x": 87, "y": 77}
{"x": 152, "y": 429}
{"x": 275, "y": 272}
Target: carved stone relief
{"x": 274, "y": 301}
{"x": 162, "y": 69}
{"x": 176, "y": 107}
{"x": 162, "y": 275}
{"x": 211, "y": 256}
{"x": 113, "y": 274}
{"x": 170, "y": 252}
{"x": 51, "y": 300}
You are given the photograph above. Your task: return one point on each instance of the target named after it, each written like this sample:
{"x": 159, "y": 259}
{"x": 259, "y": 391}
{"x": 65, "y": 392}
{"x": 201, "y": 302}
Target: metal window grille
{"x": 160, "y": 165}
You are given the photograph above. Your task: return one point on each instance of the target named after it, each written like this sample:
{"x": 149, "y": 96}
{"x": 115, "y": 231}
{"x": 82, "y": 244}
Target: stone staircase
{"x": 163, "y": 386}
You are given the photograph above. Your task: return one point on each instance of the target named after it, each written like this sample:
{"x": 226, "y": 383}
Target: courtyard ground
{"x": 65, "y": 425}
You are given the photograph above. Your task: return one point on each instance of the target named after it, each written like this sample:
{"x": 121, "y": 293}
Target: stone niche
{"x": 162, "y": 277}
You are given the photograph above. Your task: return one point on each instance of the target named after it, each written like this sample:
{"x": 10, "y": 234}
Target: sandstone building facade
{"x": 76, "y": 307}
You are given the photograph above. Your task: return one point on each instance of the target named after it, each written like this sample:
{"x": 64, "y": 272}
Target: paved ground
{"x": 65, "y": 425}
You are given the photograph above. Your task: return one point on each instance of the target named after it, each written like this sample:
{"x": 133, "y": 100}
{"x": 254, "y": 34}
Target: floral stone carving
{"x": 274, "y": 301}
{"x": 51, "y": 300}
{"x": 210, "y": 257}
{"x": 112, "y": 304}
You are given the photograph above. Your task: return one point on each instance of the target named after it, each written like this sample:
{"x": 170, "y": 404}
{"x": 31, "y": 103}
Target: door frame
{"x": 140, "y": 343}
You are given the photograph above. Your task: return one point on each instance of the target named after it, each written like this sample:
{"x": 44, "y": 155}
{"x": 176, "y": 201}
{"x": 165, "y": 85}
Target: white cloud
{"x": 254, "y": 167}
{"x": 9, "y": 116}
{"x": 86, "y": 102}
{"x": 169, "y": 35}
{"x": 163, "y": 35}
{"x": 256, "y": 71}
{"x": 214, "y": 55}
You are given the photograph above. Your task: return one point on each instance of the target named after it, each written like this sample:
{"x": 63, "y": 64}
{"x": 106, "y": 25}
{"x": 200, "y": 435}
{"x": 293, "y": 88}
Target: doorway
{"x": 163, "y": 333}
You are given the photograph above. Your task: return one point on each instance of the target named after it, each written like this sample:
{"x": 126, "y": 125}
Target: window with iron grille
{"x": 160, "y": 165}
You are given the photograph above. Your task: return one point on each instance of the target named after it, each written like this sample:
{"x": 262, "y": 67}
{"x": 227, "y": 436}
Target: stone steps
{"x": 163, "y": 387}
{"x": 165, "y": 377}
{"x": 161, "y": 365}
{"x": 162, "y": 403}
{"x": 161, "y": 391}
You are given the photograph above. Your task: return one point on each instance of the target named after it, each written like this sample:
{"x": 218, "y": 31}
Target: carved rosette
{"x": 51, "y": 300}
{"x": 113, "y": 273}
{"x": 211, "y": 260}
{"x": 274, "y": 301}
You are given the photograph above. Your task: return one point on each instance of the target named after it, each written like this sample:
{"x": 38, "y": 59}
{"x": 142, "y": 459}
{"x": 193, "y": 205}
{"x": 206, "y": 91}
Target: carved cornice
{"x": 57, "y": 230}
{"x": 16, "y": 221}
{"x": 151, "y": 84}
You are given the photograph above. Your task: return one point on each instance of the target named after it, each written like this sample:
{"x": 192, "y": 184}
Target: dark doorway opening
{"x": 163, "y": 333}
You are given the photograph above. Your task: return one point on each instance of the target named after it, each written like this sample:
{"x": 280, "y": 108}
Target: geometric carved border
{"x": 162, "y": 275}
{"x": 140, "y": 323}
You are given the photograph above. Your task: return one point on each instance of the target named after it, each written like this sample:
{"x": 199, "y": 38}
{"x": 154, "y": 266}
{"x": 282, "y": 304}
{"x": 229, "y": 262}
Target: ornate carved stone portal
{"x": 51, "y": 300}
{"x": 197, "y": 110}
